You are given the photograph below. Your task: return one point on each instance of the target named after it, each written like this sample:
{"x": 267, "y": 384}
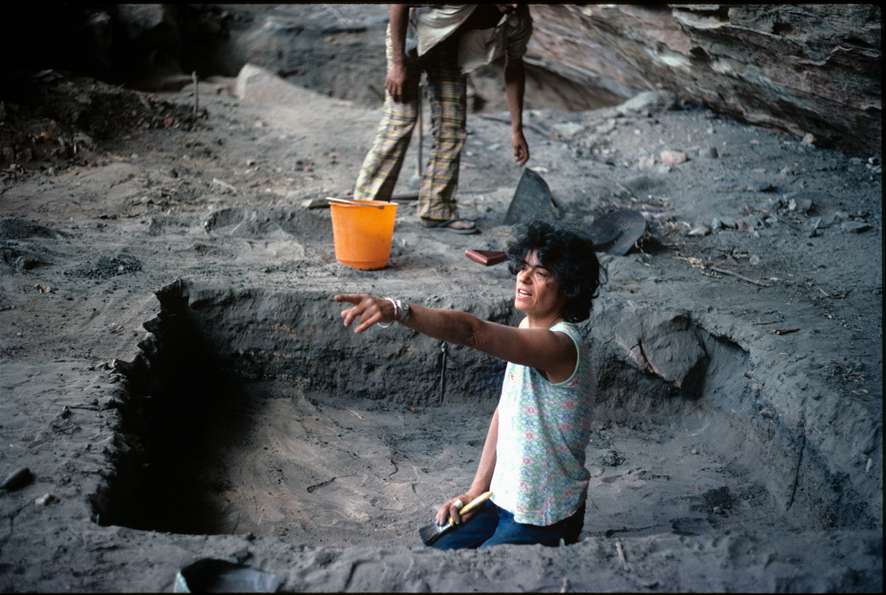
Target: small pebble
{"x": 45, "y": 500}
{"x": 669, "y": 157}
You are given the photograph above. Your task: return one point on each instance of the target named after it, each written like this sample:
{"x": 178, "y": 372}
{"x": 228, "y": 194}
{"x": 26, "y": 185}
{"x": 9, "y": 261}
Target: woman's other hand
{"x": 450, "y": 510}
{"x": 366, "y": 309}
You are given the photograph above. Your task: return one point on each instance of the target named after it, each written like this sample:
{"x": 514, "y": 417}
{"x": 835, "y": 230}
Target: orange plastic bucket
{"x": 362, "y": 232}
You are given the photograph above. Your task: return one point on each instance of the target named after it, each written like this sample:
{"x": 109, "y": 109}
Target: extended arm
{"x": 542, "y": 349}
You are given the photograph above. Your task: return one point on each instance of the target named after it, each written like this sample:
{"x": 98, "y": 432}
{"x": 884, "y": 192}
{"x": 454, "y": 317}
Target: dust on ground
{"x": 757, "y": 233}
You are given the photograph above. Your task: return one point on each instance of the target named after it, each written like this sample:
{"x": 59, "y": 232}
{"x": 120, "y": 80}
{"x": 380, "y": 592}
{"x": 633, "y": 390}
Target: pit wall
{"x": 749, "y": 408}
{"x": 652, "y": 365}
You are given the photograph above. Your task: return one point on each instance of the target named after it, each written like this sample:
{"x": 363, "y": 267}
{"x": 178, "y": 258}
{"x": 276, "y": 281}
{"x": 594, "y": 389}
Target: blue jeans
{"x": 493, "y": 526}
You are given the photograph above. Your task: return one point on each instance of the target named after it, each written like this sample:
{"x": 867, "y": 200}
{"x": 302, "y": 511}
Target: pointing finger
{"x": 348, "y": 297}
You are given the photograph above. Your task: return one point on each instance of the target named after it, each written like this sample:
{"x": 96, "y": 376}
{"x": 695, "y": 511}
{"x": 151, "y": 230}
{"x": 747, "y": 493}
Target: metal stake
{"x": 443, "y": 352}
{"x": 421, "y": 129}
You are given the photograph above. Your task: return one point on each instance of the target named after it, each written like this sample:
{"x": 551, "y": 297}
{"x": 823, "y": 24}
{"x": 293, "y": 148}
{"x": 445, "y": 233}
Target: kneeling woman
{"x": 534, "y": 455}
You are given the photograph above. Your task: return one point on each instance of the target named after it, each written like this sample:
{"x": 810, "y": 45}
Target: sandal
{"x": 462, "y": 226}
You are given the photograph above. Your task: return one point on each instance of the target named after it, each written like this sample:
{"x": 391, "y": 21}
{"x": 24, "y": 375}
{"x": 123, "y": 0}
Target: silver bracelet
{"x": 401, "y": 312}
{"x": 396, "y": 313}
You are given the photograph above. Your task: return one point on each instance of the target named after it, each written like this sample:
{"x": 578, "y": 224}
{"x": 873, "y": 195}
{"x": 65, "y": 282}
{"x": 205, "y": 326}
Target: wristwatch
{"x": 403, "y": 311}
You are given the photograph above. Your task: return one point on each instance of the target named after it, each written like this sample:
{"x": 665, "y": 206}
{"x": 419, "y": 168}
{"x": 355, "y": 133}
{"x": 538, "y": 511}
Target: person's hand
{"x": 450, "y": 510}
{"x": 366, "y": 308}
{"x": 395, "y": 81}
{"x": 521, "y": 148}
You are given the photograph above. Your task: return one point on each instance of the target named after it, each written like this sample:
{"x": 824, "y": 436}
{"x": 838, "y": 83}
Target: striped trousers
{"x": 448, "y": 101}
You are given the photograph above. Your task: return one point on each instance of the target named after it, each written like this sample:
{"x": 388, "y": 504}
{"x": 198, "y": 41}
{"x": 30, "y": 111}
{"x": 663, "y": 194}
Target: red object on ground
{"x": 486, "y": 257}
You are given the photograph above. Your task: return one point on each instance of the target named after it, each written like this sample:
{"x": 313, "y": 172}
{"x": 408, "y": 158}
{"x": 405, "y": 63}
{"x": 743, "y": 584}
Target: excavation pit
{"x": 255, "y": 411}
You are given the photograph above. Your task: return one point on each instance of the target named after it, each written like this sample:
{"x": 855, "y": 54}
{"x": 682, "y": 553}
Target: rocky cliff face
{"x": 807, "y": 69}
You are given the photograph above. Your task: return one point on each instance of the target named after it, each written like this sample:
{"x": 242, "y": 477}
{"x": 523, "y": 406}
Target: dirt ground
{"x": 763, "y": 240}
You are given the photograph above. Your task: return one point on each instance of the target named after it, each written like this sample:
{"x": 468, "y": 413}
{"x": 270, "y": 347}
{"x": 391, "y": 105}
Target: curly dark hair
{"x": 569, "y": 256}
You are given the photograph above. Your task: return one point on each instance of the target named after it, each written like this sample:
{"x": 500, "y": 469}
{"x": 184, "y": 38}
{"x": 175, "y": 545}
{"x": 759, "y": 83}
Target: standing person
{"x": 534, "y": 455}
{"x": 452, "y": 41}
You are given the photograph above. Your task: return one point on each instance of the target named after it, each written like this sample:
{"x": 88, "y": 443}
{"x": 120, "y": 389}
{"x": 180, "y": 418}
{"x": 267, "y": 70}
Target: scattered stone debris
{"x": 110, "y": 266}
{"x": 77, "y": 116}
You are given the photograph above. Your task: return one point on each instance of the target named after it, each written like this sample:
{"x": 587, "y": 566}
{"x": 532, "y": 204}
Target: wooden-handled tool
{"x": 356, "y": 203}
{"x": 430, "y": 533}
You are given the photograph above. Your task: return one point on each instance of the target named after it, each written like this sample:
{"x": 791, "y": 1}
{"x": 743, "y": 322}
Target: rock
{"x": 17, "y": 479}
{"x": 716, "y": 223}
{"x": 646, "y": 162}
{"x": 809, "y": 139}
{"x": 776, "y": 202}
{"x": 605, "y": 128}
{"x": 855, "y": 226}
{"x": 804, "y": 205}
{"x": 567, "y": 130}
{"x": 665, "y": 344}
{"x": 45, "y": 500}
{"x": 754, "y": 260}
{"x": 258, "y": 86}
{"x": 611, "y": 458}
{"x": 649, "y": 101}
{"x": 699, "y": 230}
{"x": 669, "y": 157}
{"x": 315, "y": 203}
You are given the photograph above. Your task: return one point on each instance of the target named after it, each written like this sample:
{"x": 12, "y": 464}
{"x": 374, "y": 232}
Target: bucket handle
{"x": 354, "y": 203}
